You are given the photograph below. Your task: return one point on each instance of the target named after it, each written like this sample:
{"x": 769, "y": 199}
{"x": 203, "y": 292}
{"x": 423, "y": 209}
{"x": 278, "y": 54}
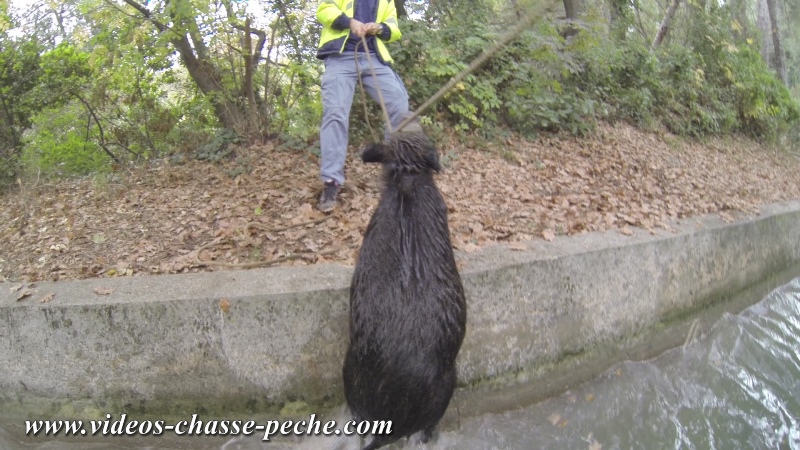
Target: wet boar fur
{"x": 407, "y": 308}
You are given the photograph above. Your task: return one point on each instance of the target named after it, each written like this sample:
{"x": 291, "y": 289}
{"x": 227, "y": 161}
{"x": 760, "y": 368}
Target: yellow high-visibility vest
{"x": 333, "y": 41}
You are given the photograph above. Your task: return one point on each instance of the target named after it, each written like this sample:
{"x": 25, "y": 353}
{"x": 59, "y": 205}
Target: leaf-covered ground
{"x": 199, "y": 216}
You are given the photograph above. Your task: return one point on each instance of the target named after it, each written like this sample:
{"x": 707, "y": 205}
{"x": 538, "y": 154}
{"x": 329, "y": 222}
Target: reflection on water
{"x": 738, "y": 387}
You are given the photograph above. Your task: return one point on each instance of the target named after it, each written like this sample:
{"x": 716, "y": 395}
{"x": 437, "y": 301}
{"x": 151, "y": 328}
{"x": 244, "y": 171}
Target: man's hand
{"x": 360, "y": 29}
{"x": 373, "y": 28}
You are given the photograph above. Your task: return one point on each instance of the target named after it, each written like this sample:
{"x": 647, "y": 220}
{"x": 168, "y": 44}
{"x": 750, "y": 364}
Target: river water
{"x": 736, "y": 387}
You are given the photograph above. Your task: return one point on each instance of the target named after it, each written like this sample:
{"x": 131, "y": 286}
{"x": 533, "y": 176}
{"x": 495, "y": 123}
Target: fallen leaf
{"x": 16, "y": 288}
{"x": 47, "y": 298}
{"x": 593, "y": 444}
{"x": 518, "y": 246}
{"x": 304, "y": 210}
{"x": 619, "y": 177}
{"x": 103, "y": 290}
{"x": 205, "y": 255}
{"x": 548, "y": 235}
{"x": 25, "y": 294}
{"x": 626, "y": 231}
{"x": 469, "y": 247}
{"x": 225, "y": 305}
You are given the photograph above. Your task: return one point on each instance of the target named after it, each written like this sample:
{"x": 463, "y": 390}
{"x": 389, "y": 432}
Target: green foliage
{"x": 719, "y": 85}
{"x": 295, "y": 106}
{"x": 715, "y": 87}
{"x": 56, "y": 147}
{"x": 519, "y": 87}
{"x": 624, "y": 78}
{"x": 5, "y": 20}
{"x": 58, "y": 135}
{"x": 569, "y": 111}
{"x": 705, "y": 78}
{"x": 65, "y": 70}
{"x": 764, "y": 105}
{"x": 9, "y": 168}
{"x": 713, "y": 84}
{"x": 219, "y": 147}
{"x": 19, "y": 74}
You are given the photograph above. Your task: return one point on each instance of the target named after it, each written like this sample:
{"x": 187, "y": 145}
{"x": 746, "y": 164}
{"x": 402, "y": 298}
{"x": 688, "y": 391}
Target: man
{"x": 344, "y": 24}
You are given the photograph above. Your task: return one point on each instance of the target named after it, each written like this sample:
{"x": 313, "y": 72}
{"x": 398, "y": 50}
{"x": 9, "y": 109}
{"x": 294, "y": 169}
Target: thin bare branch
{"x": 664, "y": 28}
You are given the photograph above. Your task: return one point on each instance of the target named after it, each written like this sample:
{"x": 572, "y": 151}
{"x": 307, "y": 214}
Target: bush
{"x": 56, "y": 147}
{"x": 9, "y": 168}
{"x": 518, "y": 87}
{"x": 541, "y": 82}
{"x": 624, "y": 79}
{"x": 764, "y": 106}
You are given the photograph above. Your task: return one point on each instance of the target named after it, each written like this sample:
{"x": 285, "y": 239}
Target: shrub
{"x": 56, "y": 147}
{"x": 709, "y": 85}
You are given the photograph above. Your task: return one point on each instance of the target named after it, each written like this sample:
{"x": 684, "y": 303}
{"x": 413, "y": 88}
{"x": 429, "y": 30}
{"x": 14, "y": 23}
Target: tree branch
{"x": 292, "y": 34}
{"x": 146, "y": 13}
{"x": 262, "y": 39}
{"x": 99, "y": 127}
{"x": 662, "y": 30}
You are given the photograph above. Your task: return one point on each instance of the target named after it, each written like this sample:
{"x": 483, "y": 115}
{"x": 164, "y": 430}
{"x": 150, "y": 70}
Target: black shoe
{"x": 327, "y": 201}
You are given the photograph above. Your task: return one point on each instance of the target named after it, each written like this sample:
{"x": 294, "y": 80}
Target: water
{"x": 737, "y": 387}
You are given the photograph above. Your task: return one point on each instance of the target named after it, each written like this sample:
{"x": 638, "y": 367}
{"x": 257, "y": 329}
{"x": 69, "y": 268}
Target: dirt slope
{"x": 198, "y": 216}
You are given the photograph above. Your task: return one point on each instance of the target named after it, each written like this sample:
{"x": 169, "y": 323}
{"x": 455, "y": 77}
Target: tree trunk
{"x": 778, "y": 56}
{"x": 267, "y": 123}
{"x": 620, "y": 19}
{"x": 250, "y": 92}
{"x": 209, "y": 81}
{"x": 573, "y": 9}
{"x": 664, "y": 28}
{"x": 206, "y": 76}
{"x": 401, "y": 8}
{"x": 764, "y": 28}
{"x": 7, "y": 132}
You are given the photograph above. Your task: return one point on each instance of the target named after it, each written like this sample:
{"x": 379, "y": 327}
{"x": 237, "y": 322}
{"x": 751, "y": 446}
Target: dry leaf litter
{"x": 168, "y": 218}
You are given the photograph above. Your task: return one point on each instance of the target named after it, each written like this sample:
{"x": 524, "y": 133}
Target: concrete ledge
{"x": 540, "y": 320}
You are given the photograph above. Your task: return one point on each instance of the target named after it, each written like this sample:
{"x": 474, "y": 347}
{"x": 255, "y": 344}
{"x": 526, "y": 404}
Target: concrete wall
{"x": 540, "y": 320}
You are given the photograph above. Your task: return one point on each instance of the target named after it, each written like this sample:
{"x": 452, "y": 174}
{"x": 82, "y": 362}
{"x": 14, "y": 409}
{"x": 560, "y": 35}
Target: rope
{"x": 363, "y": 94}
{"x": 540, "y": 10}
{"x": 377, "y": 87}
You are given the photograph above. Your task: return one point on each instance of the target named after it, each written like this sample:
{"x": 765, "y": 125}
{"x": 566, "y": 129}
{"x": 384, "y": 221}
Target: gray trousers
{"x": 338, "y": 87}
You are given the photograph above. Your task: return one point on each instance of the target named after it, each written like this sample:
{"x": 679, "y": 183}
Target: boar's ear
{"x": 374, "y": 153}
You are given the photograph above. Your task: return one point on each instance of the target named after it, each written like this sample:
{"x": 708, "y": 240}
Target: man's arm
{"x": 389, "y": 31}
{"x": 328, "y": 14}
